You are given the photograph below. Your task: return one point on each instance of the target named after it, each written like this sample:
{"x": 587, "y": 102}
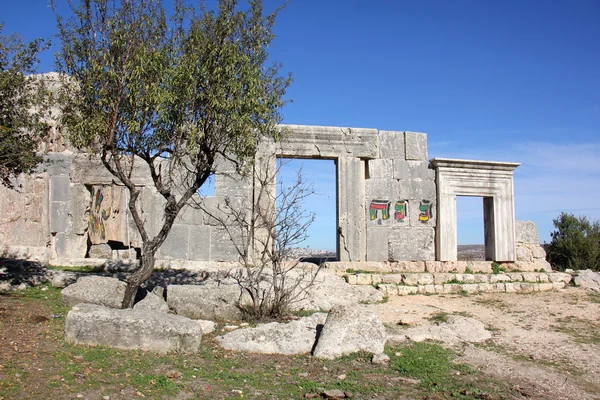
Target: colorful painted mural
{"x": 105, "y": 222}
{"x": 401, "y": 212}
{"x": 379, "y": 205}
{"x": 425, "y": 211}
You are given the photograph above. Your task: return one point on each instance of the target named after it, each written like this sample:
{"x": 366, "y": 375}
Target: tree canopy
{"x": 21, "y": 106}
{"x": 174, "y": 93}
{"x": 575, "y": 243}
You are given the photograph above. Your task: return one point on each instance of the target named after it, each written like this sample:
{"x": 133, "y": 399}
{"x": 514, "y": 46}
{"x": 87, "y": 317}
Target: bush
{"x": 575, "y": 243}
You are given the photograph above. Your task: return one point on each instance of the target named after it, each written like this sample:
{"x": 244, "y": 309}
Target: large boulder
{"x": 588, "y": 279}
{"x": 348, "y": 330}
{"x": 295, "y": 337}
{"x": 152, "y": 302}
{"x": 328, "y": 291}
{"x": 456, "y": 329}
{"x": 210, "y": 301}
{"x": 93, "y": 289}
{"x": 93, "y": 324}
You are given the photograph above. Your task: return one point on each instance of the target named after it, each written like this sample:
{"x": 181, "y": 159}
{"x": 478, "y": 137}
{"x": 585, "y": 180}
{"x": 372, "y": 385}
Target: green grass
{"x": 581, "y": 330}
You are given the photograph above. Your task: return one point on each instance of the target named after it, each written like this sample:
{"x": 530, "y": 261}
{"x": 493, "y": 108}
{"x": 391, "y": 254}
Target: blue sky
{"x": 504, "y": 80}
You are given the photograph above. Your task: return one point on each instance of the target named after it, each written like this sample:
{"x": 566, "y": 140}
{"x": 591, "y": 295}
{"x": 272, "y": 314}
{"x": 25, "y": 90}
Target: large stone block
{"x": 58, "y": 216}
{"x": 100, "y": 290}
{"x": 412, "y": 243}
{"x": 526, "y": 232}
{"x": 377, "y": 243}
{"x": 59, "y": 188}
{"x": 92, "y": 325}
{"x": 416, "y": 146}
{"x": 391, "y": 144}
{"x": 381, "y": 169}
{"x": 199, "y": 242}
{"x": 349, "y": 330}
{"x": 213, "y": 302}
{"x": 222, "y": 247}
{"x": 176, "y": 244}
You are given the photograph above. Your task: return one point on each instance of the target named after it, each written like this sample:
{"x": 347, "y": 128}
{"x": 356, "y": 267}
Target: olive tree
{"x": 22, "y": 105}
{"x": 173, "y": 93}
{"x": 575, "y": 243}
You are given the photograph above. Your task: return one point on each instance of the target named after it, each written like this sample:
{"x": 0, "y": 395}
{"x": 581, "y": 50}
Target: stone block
{"x": 212, "y": 302}
{"x": 439, "y": 288}
{"x": 527, "y": 287}
{"x": 470, "y": 287}
{"x": 468, "y": 278}
{"x": 392, "y": 278}
{"x": 444, "y": 266}
{"x": 388, "y": 289}
{"x": 524, "y": 253}
{"x": 349, "y": 330}
{"x": 364, "y": 279}
{"x": 501, "y": 287}
{"x": 430, "y": 289}
{"x": 425, "y": 279}
{"x": 59, "y": 241}
{"x": 222, "y": 248}
{"x": 545, "y": 286}
{"x": 377, "y": 243}
{"x": 452, "y": 288}
{"x": 530, "y": 277}
{"x": 408, "y": 266}
{"x": 499, "y": 278}
{"x": 375, "y": 279}
{"x": 406, "y": 290}
{"x": 199, "y": 242}
{"x": 560, "y": 277}
{"x": 543, "y": 277}
{"x": 93, "y": 289}
{"x": 415, "y": 145}
{"x": 440, "y": 279}
{"x": 479, "y": 266}
{"x": 484, "y": 287}
{"x": 481, "y": 278}
{"x": 381, "y": 169}
{"x": 176, "y": 244}
{"x": 512, "y": 287}
{"x": 351, "y": 279}
{"x": 59, "y": 188}
{"x": 401, "y": 170}
{"x": 418, "y": 170}
{"x": 515, "y": 276}
{"x": 231, "y": 185}
{"x": 92, "y": 325}
{"x": 102, "y": 250}
{"x": 391, "y": 144}
{"x": 410, "y": 279}
{"x": 412, "y": 243}
{"x": 58, "y": 216}
{"x": 526, "y": 232}
{"x": 558, "y": 285}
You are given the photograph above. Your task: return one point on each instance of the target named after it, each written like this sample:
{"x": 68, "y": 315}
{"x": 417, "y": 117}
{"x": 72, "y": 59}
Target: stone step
{"x": 428, "y": 283}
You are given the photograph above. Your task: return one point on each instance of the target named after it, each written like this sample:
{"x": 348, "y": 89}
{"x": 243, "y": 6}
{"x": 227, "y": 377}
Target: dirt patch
{"x": 546, "y": 343}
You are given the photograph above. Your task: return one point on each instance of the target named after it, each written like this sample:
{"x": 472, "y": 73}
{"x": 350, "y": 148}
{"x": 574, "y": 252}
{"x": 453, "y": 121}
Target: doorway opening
{"x": 317, "y": 241}
{"x": 470, "y": 229}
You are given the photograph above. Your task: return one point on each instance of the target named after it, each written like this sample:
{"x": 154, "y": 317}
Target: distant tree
{"x": 22, "y": 104}
{"x": 575, "y": 243}
{"x": 173, "y": 94}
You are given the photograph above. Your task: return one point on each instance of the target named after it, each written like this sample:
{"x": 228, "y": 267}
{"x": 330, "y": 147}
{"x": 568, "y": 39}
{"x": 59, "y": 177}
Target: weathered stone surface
{"x": 526, "y": 232}
{"x": 456, "y": 329}
{"x": 412, "y": 243}
{"x": 100, "y": 251}
{"x": 152, "y": 302}
{"x": 350, "y": 329}
{"x": 415, "y": 145}
{"x": 92, "y": 324}
{"x": 295, "y": 337}
{"x": 61, "y": 279}
{"x": 99, "y": 290}
{"x": 588, "y": 279}
{"x": 212, "y": 302}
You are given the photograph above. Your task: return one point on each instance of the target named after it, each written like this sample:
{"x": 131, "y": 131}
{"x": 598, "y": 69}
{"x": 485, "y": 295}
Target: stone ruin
{"x": 395, "y": 207}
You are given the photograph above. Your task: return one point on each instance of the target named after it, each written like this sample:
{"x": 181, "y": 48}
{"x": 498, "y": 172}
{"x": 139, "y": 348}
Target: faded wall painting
{"x": 105, "y": 222}
{"x": 425, "y": 211}
{"x": 401, "y": 210}
{"x": 377, "y": 206}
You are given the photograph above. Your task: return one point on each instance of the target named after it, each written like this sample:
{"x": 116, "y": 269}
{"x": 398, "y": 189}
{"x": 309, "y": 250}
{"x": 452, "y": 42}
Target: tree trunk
{"x": 140, "y": 276}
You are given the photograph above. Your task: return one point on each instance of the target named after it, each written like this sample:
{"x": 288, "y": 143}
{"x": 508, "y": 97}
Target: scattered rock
{"x": 102, "y": 250}
{"x": 456, "y": 329}
{"x": 334, "y": 394}
{"x": 61, "y": 279}
{"x": 587, "y": 279}
{"x": 381, "y": 359}
{"x": 350, "y": 329}
{"x": 295, "y": 337}
{"x": 152, "y": 302}
{"x": 93, "y": 324}
{"x": 205, "y": 301}
{"x": 207, "y": 326}
{"x": 100, "y": 290}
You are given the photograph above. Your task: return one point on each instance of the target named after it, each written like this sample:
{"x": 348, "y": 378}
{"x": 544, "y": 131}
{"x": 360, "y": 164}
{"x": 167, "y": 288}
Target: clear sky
{"x": 497, "y": 80}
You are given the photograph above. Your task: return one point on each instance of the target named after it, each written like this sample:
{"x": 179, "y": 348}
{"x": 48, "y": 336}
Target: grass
{"x": 581, "y": 330}
{"x": 57, "y": 370}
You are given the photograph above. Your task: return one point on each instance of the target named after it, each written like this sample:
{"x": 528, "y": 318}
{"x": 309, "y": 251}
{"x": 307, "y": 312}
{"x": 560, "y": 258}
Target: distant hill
{"x": 471, "y": 252}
